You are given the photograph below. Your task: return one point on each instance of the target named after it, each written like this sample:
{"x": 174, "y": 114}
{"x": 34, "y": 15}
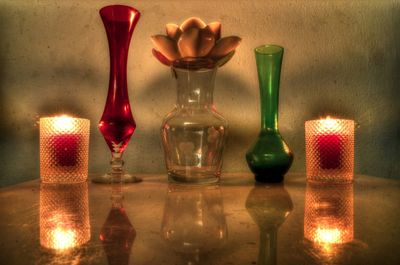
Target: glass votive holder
{"x": 64, "y": 149}
{"x": 330, "y": 150}
{"x": 329, "y": 213}
{"x": 64, "y": 216}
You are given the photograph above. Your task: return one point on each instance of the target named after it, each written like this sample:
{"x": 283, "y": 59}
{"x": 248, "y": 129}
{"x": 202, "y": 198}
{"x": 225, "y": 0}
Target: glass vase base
{"x": 193, "y": 177}
{"x": 107, "y": 179}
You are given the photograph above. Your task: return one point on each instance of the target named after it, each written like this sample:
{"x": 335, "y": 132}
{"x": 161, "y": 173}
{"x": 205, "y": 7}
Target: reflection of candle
{"x": 64, "y": 216}
{"x": 329, "y": 214}
{"x": 64, "y": 147}
{"x": 330, "y": 149}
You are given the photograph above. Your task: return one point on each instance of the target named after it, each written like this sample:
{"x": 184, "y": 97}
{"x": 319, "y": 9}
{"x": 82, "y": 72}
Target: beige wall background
{"x": 341, "y": 58}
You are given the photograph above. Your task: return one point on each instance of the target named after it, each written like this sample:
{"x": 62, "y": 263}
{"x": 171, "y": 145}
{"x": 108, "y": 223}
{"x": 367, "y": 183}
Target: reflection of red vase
{"x": 117, "y": 124}
{"x": 117, "y": 236}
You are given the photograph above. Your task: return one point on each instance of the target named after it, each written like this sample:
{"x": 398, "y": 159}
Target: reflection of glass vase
{"x": 329, "y": 215}
{"x": 269, "y": 206}
{"x": 117, "y": 233}
{"x": 194, "y": 221}
{"x": 270, "y": 157}
{"x": 193, "y": 134}
{"x": 64, "y": 216}
{"x": 117, "y": 124}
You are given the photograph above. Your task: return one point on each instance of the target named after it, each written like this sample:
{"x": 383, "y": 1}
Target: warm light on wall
{"x": 329, "y": 214}
{"x": 64, "y": 149}
{"x": 330, "y": 150}
{"x": 64, "y": 216}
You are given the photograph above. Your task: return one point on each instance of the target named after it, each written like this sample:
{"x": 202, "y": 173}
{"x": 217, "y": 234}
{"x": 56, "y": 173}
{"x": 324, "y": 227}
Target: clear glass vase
{"x": 193, "y": 133}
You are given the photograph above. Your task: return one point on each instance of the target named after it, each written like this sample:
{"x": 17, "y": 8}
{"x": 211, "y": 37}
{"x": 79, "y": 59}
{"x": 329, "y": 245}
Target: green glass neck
{"x": 269, "y": 61}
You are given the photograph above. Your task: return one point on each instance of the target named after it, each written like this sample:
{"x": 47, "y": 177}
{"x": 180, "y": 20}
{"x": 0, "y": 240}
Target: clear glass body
{"x": 329, "y": 214}
{"x": 64, "y": 216}
{"x": 64, "y": 149}
{"x": 194, "y": 133}
{"x": 330, "y": 150}
{"x": 269, "y": 158}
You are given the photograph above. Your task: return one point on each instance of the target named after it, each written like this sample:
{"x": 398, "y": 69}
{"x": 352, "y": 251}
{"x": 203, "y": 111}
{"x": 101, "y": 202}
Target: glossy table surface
{"x": 235, "y": 222}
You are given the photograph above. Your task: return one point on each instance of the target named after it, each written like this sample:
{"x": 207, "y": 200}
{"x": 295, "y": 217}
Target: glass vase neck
{"x": 195, "y": 87}
{"x": 119, "y": 22}
{"x": 269, "y": 61}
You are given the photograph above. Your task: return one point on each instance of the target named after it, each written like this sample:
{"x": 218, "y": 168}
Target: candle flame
{"x": 329, "y": 124}
{"x": 64, "y": 123}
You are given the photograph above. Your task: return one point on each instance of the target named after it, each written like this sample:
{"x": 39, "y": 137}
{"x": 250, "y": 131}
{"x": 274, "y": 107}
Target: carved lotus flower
{"x": 194, "y": 39}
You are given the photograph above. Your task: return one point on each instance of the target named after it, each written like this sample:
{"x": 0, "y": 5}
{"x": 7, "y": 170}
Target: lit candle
{"x": 330, "y": 149}
{"x": 64, "y": 147}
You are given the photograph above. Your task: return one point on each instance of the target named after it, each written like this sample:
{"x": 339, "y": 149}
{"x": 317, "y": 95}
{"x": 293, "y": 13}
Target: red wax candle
{"x": 66, "y": 149}
{"x": 330, "y": 150}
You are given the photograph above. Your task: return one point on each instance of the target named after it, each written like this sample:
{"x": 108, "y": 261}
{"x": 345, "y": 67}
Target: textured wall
{"x": 341, "y": 58}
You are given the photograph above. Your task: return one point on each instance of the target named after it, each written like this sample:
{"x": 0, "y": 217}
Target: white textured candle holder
{"x": 64, "y": 149}
{"x": 330, "y": 150}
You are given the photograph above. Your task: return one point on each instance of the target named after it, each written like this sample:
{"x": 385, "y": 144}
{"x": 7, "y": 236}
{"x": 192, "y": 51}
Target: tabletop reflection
{"x": 329, "y": 216}
{"x": 117, "y": 234}
{"x": 193, "y": 220}
{"x": 269, "y": 206}
{"x": 63, "y": 216}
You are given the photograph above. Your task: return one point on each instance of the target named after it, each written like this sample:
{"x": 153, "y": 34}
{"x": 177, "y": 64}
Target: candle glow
{"x": 63, "y": 239}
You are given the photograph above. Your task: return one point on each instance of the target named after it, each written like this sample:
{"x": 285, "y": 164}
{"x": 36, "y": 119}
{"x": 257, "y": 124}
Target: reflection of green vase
{"x": 270, "y": 157}
{"x": 269, "y": 206}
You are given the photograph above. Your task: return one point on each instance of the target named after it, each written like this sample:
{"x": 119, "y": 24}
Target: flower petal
{"x": 215, "y": 28}
{"x": 225, "y": 46}
{"x": 187, "y": 43}
{"x": 205, "y": 42}
{"x": 193, "y": 22}
{"x": 166, "y": 46}
{"x": 223, "y": 60}
{"x": 173, "y": 31}
{"x": 161, "y": 58}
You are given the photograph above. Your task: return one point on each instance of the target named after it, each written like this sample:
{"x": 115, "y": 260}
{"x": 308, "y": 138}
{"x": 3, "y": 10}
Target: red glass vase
{"x": 117, "y": 123}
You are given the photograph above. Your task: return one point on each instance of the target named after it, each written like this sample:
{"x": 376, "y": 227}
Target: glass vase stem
{"x": 269, "y": 71}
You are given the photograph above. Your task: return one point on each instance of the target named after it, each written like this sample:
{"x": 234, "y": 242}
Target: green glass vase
{"x": 270, "y": 157}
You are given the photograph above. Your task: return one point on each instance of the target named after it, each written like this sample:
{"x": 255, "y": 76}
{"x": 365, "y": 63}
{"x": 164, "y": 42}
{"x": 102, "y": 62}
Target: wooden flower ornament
{"x": 194, "y": 39}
